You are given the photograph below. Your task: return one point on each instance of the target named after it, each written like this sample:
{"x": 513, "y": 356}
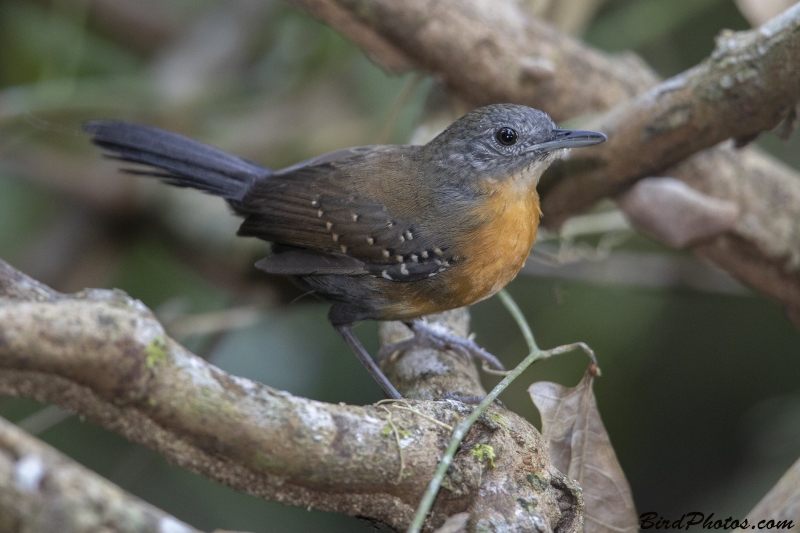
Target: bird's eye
{"x": 506, "y": 136}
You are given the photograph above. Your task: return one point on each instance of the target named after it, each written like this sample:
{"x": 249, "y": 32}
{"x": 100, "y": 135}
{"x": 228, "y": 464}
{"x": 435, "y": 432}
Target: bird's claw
{"x": 426, "y": 337}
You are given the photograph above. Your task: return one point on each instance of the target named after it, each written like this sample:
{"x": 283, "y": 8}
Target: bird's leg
{"x": 346, "y": 331}
{"x": 427, "y": 337}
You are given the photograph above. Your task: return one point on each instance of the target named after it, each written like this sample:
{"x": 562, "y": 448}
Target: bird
{"x": 383, "y": 232}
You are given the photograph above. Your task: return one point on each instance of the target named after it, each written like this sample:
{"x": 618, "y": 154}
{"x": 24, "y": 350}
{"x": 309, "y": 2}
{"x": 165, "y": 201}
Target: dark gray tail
{"x": 184, "y": 162}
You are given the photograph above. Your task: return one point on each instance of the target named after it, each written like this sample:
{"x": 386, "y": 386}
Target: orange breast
{"x": 498, "y": 248}
{"x": 485, "y": 260}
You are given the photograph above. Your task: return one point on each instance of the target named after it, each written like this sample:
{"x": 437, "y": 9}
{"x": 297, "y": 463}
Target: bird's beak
{"x": 569, "y": 139}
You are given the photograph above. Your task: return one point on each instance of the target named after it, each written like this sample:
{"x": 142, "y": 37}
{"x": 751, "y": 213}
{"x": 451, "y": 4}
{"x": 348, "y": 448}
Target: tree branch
{"x": 43, "y": 490}
{"x": 488, "y": 51}
{"x": 104, "y": 355}
{"x": 763, "y": 248}
{"x": 749, "y": 84}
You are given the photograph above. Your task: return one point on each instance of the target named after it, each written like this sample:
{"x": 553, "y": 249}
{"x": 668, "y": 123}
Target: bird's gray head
{"x": 502, "y": 140}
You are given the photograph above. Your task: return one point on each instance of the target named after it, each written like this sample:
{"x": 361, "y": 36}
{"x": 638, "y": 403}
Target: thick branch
{"x": 104, "y": 355}
{"x": 488, "y": 51}
{"x": 763, "y": 248}
{"x": 43, "y": 490}
{"x": 750, "y": 84}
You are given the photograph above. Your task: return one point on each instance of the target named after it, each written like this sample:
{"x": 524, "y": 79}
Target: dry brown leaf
{"x": 580, "y": 447}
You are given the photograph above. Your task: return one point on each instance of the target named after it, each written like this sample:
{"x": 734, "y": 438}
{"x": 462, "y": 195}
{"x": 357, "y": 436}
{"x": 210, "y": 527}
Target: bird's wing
{"x": 330, "y": 212}
{"x": 300, "y": 262}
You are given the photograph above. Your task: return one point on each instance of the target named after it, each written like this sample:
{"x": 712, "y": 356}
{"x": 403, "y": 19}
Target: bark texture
{"x": 104, "y": 355}
{"x": 43, "y": 490}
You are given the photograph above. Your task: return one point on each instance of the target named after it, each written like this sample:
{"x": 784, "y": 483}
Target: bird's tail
{"x": 182, "y": 161}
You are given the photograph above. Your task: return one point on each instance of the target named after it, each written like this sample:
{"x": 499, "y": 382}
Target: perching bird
{"x": 383, "y": 232}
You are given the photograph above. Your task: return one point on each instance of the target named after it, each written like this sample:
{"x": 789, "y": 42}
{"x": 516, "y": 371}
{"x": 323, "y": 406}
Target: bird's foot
{"x": 426, "y": 337}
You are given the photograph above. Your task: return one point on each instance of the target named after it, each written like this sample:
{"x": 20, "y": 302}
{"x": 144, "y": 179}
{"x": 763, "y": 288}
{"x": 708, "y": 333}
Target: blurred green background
{"x": 699, "y": 390}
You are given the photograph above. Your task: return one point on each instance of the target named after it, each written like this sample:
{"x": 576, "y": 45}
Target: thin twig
{"x": 407, "y": 407}
{"x": 44, "y": 419}
{"x": 516, "y": 313}
{"x": 492, "y": 371}
{"x": 399, "y": 446}
{"x": 463, "y": 428}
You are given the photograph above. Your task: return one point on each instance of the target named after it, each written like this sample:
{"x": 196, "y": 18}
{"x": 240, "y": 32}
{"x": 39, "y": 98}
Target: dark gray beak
{"x": 569, "y": 139}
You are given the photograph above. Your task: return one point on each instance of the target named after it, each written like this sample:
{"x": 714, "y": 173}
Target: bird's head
{"x": 504, "y": 141}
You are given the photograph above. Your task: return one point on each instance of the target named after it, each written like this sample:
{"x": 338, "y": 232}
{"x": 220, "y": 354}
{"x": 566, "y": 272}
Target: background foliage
{"x": 699, "y": 392}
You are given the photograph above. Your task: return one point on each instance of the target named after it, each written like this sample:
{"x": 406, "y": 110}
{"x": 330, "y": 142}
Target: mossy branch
{"x": 105, "y": 356}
